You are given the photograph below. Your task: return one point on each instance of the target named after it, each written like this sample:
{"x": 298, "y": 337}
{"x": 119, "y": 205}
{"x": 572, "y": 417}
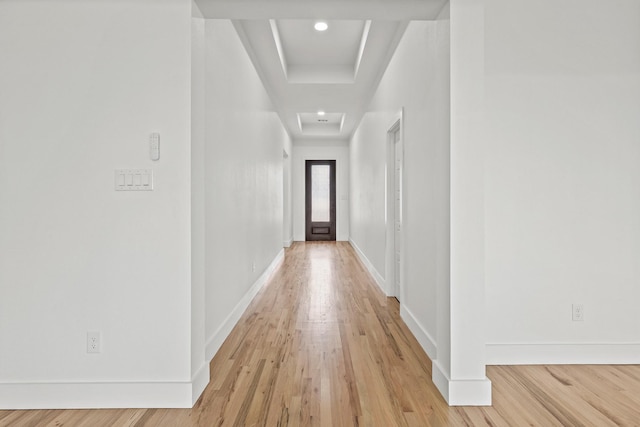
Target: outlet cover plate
{"x": 577, "y": 312}
{"x": 93, "y": 342}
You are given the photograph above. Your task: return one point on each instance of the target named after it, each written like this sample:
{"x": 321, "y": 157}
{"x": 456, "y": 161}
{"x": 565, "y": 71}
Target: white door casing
{"x": 394, "y": 209}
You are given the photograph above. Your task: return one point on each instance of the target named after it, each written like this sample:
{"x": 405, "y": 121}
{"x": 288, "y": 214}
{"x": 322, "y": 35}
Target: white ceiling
{"x": 305, "y": 46}
{"x": 306, "y": 71}
{"x": 317, "y": 57}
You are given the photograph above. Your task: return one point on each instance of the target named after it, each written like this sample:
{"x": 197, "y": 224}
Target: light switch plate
{"x": 134, "y": 179}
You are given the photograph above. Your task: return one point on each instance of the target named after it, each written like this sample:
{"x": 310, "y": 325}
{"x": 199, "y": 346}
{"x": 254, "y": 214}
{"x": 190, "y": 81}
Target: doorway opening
{"x": 394, "y": 199}
{"x": 320, "y": 198}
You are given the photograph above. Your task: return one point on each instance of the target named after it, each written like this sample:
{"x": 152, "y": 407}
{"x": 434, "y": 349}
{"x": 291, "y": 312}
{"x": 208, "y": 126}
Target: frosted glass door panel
{"x": 320, "y": 200}
{"x": 320, "y": 193}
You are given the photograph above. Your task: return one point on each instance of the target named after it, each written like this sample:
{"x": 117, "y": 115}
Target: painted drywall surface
{"x": 244, "y": 175}
{"x": 466, "y": 310}
{"x": 367, "y": 219}
{"x": 83, "y": 85}
{"x": 562, "y": 176}
{"x": 417, "y": 82}
{"x": 321, "y": 150}
{"x": 198, "y": 214}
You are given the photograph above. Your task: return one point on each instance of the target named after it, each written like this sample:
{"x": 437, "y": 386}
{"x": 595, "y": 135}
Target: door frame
{"x": 287, "y": 204}
{"x": 333, "y": 223}
{"x": 298, "y": 192}
{"x": 390, "y": 219}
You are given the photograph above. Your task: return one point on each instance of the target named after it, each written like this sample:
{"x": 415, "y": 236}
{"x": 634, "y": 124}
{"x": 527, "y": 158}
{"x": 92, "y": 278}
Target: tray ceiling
{"x": 334, "y": 71}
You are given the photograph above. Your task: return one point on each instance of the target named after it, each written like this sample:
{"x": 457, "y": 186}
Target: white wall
{"x": 320, "y": 150}
{"x": 459, "y": 371}
{"x": 199, "y": 364}
{"x": 416, "y": 79}
{"x": 244, "y": 181}
{"x": 434, "y": 301}
{"x": 543, "y": 174}
{"x": 562, "y": 179}
{"x": 367, "y": 151}
{"x": 83, "y": 85}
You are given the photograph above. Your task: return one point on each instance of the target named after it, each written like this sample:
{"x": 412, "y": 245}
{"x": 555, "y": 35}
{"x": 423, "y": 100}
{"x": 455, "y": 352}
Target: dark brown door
{"x": 321, "y": 200}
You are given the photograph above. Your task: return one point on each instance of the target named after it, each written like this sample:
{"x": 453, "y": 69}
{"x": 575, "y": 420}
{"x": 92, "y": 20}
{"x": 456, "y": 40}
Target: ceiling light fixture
{"x": 321, "y": 26}
{"x": 321, "y": 113}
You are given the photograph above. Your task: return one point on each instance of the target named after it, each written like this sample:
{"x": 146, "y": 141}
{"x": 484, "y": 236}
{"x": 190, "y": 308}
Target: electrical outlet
{"x": 253, "y": 267}
{"x": 578, "y": 312}
{"x": 93, "y": 342}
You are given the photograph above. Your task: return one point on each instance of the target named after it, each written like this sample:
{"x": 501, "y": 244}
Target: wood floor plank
{"x": 321, "y": 345}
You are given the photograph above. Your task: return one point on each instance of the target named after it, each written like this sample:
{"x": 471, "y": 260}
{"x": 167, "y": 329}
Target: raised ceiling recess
{"x": 314, "y": 124}
{"x": 320, "y": 57}
{"x": 305, "y": 70}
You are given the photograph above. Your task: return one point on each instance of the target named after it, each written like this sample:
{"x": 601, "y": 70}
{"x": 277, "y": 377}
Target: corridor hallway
{"x": 321, "y": 345}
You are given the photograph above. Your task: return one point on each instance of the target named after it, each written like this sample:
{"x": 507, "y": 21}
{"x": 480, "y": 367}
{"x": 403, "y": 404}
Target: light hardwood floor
{"x": 321, "y": 345}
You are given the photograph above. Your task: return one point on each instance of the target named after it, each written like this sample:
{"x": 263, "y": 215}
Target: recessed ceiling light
{"x": 321, "y": 113}
{"x": 321, "y": 26}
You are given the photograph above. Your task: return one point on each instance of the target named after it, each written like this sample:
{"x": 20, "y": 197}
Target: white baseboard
{"x": 377, "y": 277}
{"x": 427, "y": 343}
{"x": 215, "y": 342}
{"x": 97, "y": 395}
{"x": 461, "y": 392}
{"x": 287, "y": 243}
{"x": 199, "y": 382}
{"x": 563, "y": 354}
